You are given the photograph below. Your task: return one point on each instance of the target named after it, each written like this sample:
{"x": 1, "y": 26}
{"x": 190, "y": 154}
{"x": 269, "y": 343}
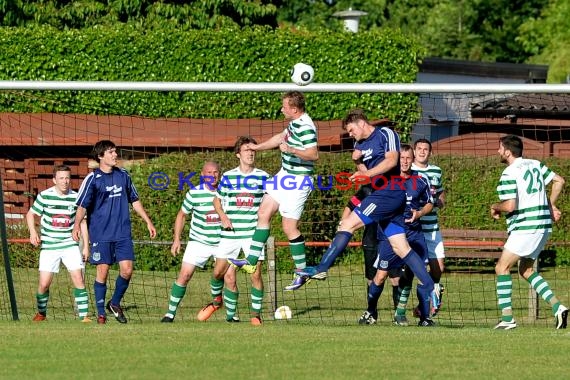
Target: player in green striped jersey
{"x": 237, "y": 201}
{"x": 289, "y": 189}
{"x": 530, "y": 213}
{"x": 204, "y": 233}
{"x": 56, "y": 209}
{"x": 430, "y": 224}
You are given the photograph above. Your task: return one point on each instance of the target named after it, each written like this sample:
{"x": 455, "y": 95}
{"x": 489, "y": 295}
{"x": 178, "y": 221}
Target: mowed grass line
{"x": 217, "y": 350}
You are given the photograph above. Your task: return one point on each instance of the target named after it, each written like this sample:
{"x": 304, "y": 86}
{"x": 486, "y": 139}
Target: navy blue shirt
{"x": 418, "y": 194}
{"x": 106, "y": 197}
{"x": 374, "y": 150}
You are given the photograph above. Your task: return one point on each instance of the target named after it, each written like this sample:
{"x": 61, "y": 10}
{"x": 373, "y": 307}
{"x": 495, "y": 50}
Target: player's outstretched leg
{"x": 338, "y": 245}
{"x": 249, "y": 264}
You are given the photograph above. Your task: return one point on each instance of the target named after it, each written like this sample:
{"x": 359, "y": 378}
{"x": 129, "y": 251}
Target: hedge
{"x": 130, "y": 53}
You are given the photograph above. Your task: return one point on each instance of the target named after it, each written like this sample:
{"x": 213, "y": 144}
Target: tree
{"x": 193, "y": 14}
{"x": 466, "y": 29}
{"x": 547, "y": 37}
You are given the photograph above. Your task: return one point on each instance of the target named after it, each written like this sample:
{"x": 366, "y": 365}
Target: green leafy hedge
{"x": 130, "y": 53}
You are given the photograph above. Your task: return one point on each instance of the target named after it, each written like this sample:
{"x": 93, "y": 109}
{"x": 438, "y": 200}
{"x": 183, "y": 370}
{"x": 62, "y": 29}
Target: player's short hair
{"x": 60, "y": 168}
{"x": 422, "y": 141}
{"x": 354, "y": 116}
{"x": 295, "y": 99}
{"x": 100, "y": 148}
{"x": 513, "y": 143}
{"x": 211, "y": 162}
{"x": 241, "y": 141}
{"x": 407, "y": 148}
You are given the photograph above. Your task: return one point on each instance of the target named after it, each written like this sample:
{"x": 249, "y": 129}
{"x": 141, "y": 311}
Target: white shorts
{"x": 527, "y": 245}
{"x": 290, "y": 191}
{"x": 434, "y": 243}
{"x": 198, "y": 254}
{"x": 50, "y": 260}
{"x": 230, "y": 248}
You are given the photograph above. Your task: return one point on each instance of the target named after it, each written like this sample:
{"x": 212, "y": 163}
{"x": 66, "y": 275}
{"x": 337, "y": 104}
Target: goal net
{"x": 46, "y": 124}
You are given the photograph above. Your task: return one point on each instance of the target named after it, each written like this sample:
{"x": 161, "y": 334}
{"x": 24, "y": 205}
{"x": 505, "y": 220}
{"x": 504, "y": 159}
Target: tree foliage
{"x": 465, "y": 29}
{"x": 190, "y": 14}
{"x": 547, "y": 39}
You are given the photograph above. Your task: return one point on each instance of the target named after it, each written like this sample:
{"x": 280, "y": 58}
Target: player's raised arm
{"x": 272, "y": 143}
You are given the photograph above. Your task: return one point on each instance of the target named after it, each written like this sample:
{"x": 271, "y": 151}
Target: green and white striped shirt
{"x": 300, "y": 134}
{"x": 434, "y": 174}
{"x": 57, "y": 216}
{"x": 525, "y": 180}
{"x": 241, "y": 195}
{"x": 205, "y": 225}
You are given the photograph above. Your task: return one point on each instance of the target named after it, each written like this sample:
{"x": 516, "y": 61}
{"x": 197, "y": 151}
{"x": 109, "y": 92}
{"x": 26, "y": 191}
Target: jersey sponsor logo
{"x": 61, "y": 221}
{"x": 245, "y": 200}
{"x": 367, "y": 154}
{"x": 212, "y": 217}
{"x": 114, "y": 191}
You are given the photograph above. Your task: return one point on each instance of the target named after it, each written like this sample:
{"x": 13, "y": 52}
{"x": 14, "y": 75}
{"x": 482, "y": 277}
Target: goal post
{"x": 463, "y": 121}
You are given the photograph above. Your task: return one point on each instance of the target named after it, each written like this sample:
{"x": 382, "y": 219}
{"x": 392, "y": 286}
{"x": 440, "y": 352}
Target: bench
{"x": 473, "y": 244}
{"x": 485, "y": 245}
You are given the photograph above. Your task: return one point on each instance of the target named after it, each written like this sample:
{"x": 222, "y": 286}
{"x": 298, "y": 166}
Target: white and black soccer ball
{"x": 302, "y": 74}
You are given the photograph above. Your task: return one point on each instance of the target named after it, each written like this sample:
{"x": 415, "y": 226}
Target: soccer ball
{"x": 283, "y": 312}
{"x": 302, "y": 74}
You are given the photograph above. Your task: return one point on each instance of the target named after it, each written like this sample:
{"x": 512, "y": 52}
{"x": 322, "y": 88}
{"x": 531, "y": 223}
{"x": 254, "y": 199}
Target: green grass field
{"x": 321, "y": 341}
{"x": 287, "y": 350}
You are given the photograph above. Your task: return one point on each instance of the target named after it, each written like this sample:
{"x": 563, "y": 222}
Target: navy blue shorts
{"x": 385, "y": 207}
{"x": 388, "y": 260}
{"x": 111, "y": 252}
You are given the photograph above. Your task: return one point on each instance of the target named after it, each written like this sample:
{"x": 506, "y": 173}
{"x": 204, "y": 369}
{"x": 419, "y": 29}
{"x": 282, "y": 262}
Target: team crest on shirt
{"x": 245, "y": 200}
{"x": 212, "y": 217}
{"x": 60, "y": 221}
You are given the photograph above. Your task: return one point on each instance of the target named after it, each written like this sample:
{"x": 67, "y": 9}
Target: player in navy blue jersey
{"x": 385, "y": 206}
{"x": 419, "y": 202}
{"x": 104, "y": 196}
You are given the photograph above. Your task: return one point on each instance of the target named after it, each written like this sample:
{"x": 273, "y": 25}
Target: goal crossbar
{"x": 283, "y": 87}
